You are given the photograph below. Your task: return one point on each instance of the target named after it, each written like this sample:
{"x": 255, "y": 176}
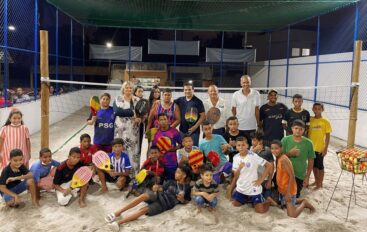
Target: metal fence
{"x": 317, "y": 51}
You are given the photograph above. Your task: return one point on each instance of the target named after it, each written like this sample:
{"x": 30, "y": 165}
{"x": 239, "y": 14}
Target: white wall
{"x": 329, "y": 74}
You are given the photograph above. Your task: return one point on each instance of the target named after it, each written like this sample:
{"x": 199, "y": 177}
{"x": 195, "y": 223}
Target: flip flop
{"x": 110, "y": 218}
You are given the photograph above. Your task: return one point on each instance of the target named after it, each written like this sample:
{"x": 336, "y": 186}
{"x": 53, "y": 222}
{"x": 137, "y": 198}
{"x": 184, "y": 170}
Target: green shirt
{"x": 306, "y": 152}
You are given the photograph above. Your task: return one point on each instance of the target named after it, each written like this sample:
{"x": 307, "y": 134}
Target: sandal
{"x": 114, "y": 226}
{"x": 110, "y": 218}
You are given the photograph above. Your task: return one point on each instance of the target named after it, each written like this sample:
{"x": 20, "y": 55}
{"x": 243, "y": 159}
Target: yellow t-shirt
{"x": 317, "y": 131}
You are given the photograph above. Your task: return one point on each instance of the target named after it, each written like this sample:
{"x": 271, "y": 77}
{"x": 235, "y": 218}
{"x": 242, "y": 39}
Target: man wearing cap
{"x": 245, "y": 106}
{"x": 271, "y": 115}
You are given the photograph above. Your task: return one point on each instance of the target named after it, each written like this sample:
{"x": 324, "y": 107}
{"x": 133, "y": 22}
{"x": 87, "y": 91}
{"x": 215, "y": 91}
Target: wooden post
{"x": 44, "y": 89}
{"x": 353, "y": 110}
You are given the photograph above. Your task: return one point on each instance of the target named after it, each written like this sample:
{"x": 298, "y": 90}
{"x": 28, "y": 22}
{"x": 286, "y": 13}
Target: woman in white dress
{"x": 127, "y": 123}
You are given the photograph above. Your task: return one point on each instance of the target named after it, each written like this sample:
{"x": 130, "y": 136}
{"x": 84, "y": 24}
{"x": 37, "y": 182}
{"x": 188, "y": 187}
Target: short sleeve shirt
{"x": 248, "y": 175}
{"x": 200, "y": 187}
{"x": 183, "y": 153}
{"x": 317, "y": 131}
{"x": 272, "y": 117}
{"x": 184, "y": 105}
{"x": 8, "y": 172}
{"x": 221, "y": 105}
{"x": 245, "y": 108}
{"x": 121, "y": 164}
{"x": 291, "y": 115}
{"x": 306, "y": 152}
{"x": 40, "y": 170}
{"x": 64, "y": 174}
{"x": 169, "y": 158}
{"x": 214, "y": 145}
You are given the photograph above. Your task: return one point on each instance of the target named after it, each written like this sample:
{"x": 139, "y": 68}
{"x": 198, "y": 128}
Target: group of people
{"x": 253, "y": 156}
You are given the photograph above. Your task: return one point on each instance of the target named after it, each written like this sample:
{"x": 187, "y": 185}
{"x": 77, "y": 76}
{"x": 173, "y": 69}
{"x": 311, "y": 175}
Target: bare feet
{"x": 309, "y": 206}
{"x": 36, "y": 204}
{"x": 197, "y": 211}
{"x": 104, "y": 189}
{"x": 214, "y": 212}
{"x": 313, "y": 184}
{"x": 82, "y": 204}
{"x": 316, "y": 188}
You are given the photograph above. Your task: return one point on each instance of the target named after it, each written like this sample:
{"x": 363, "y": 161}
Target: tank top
{"x": 283, "y": 177}
{"x": 170, "y": 112}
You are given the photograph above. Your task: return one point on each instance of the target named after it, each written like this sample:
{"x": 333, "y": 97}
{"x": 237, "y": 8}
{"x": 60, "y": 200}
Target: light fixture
{"x": 190, "y": 81}
{"x": 11, "y": 28}
{"x": 109, "y": 45}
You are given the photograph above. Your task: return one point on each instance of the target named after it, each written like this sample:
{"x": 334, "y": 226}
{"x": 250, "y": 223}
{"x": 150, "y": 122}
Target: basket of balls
{"x": 353, "y": 160}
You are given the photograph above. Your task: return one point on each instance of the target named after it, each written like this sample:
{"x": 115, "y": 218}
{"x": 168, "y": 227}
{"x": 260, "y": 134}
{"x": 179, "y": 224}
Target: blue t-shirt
{"x": 214, "y": 145}
{"x": 184, "y": 106}
{"x": 39, "y": 170}
{"x": 104, "y": 127}
{"x": 120, "y": 165}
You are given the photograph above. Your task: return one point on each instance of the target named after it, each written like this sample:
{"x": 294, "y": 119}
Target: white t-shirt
{"x": 237, "y": 160}
{"x": 221, "y": 105}
{"x": 245, "y": 108}
{"x": 249, "y": 174}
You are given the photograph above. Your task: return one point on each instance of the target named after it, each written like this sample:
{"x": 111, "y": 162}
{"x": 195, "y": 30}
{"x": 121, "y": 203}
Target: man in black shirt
{"x": 271, "y": 116}
{"x": 297, "y": 112}
{"x": 192, "y": 113}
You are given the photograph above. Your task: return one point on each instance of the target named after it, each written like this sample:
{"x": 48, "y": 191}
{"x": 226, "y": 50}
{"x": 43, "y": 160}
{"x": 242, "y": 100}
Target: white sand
{"x": 51, "y": 217}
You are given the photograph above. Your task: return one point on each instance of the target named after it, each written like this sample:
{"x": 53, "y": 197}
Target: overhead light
{"x": 109, "y": 45}
{"x": 11, "y": 28}
{"x": 190, "y": 81}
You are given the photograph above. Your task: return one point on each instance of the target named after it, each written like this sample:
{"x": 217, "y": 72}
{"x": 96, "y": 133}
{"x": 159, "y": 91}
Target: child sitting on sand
{"x": 43, "y": 170}
{"x": 162, "y": 198}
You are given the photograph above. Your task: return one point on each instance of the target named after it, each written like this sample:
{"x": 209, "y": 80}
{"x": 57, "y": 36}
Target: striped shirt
{"x": 200, "y": 187}
{"x": 14, "y": 137}
{"x": 120, "y": 164}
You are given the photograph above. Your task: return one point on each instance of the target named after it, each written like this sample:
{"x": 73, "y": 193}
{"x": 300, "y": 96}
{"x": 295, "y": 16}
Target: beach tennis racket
{"x": 164, "y": 144}
{"x": 213, "y": 115}
{"x": 151, "y": 133}
{"x": 191, "y": 115}
{"x": 101, "y": 160}
{"x": 213, "y": 157}
{"x": 140, "y": 177}
{"x": 142, "y": 107}
{"x": 196, "y": 159}
{"x": 94, "y": 105}
{"x": 81, "y": 177}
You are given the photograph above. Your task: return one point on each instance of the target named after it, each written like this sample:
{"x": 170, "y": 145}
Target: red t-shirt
{"x": 86, "y": 156}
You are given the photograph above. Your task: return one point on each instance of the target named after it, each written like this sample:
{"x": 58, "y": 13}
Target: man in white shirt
{"x": 246, "y": 107}
{"x": 215, "y": 101}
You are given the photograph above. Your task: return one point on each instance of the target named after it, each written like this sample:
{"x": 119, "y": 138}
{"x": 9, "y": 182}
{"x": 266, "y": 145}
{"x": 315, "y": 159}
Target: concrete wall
{"x": 330, "y": 74}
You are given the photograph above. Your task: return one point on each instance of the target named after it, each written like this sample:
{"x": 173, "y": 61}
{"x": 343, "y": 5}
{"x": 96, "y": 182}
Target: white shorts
{"x": 64, "y": 200}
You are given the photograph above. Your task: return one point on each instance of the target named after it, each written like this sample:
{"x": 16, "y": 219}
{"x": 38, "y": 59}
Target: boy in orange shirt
{"x": 286, "y": 183}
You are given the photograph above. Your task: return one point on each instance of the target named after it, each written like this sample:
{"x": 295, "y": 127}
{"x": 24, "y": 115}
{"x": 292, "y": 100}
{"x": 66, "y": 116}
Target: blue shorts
{"x": 283, "y": 203}
{"x": 266, "y": 192}
{"x": 199, "y": 200}
{"x": 21, "y": 187}
{"x": 243, "y": 199}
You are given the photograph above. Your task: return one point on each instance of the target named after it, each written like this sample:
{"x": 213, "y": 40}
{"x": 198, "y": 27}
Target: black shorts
{"x": 318, "y": 161}
{"x": 113, "y": 179}
{"x": 154, "y": 206}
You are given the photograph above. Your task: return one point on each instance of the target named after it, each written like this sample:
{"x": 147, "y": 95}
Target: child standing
{"x": 14, "y": 135}
{"x": 15, "y": 179}
{"x": 206, "y": 189}
{"x": 319, "y": 134}
{"x": 162, "y": 198}
{"x": 231, "y": 135}
{"x": 63, "y": 176}
{"x": 104, "y": 124}
{"x": 286, "y": 183}
{"x": 297, "y": 112}
{"x": 169, "y": 157}
{"x": 183, "y": 153}
{"x": 247, "y": 182}
{"x": 43, "y": 175}
{"x": 87, "y": 149}
{"x": 120, "y": 164}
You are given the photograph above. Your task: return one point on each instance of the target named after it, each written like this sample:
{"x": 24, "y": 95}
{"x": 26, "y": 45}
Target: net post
{"x": 44, "y": 88}
{"x": 353, "y": 110}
